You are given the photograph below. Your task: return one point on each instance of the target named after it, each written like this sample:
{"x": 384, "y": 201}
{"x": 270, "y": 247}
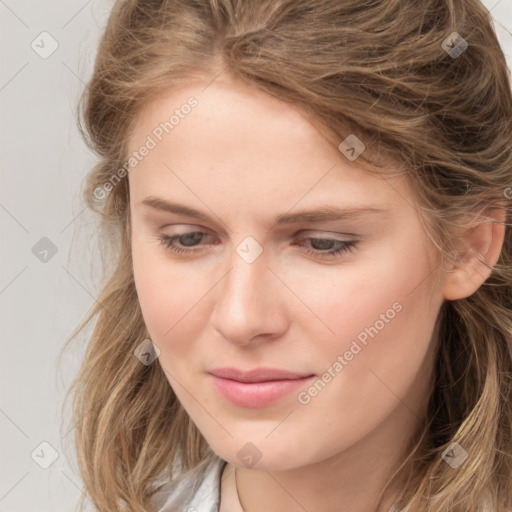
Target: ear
{"x": 480, "y": 250}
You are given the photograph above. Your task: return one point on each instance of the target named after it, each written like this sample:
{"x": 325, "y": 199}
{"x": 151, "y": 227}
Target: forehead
{"x": 228, "y": 115}
{"x": 246, "y": 148}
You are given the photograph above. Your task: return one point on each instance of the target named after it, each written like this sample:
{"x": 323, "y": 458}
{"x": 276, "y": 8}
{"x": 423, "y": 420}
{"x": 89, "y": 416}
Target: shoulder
{"x": 196, "y": 490}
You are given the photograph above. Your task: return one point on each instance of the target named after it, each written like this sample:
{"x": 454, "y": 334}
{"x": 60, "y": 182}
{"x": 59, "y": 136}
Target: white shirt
{"x": 197, "y": 490}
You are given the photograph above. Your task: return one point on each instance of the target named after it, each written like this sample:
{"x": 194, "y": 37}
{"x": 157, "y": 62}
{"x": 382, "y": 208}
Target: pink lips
{"x": 256, "y": 388}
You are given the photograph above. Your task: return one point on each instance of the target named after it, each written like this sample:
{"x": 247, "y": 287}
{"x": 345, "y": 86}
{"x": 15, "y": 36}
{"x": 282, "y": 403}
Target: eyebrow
{"x": 322, "y": 213}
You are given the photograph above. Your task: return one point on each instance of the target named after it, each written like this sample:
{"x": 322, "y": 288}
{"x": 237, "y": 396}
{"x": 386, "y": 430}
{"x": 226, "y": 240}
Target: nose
{"x": 249, "y": 304}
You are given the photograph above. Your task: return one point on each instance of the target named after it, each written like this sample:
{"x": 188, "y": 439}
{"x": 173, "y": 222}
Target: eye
{"x": 334, "y": 247}
{"x": 321, "y": 247}
{"x": 187, "y": 239}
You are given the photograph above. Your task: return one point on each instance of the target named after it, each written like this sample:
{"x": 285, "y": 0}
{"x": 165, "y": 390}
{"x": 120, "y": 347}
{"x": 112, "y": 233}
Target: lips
{"x": 257, "y": 374}
{"x": 260, "y": 387}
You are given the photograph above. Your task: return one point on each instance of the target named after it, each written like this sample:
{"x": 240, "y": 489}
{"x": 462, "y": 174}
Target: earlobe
{"x": 481, "y": 247}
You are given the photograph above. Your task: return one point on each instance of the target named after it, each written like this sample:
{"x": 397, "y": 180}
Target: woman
{"x": 310, "y": 306}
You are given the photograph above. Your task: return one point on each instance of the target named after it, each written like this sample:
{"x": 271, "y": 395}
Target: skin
{"x": 243, "y": 157}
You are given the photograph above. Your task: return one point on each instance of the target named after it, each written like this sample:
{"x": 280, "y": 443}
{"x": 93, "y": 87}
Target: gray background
{"x": 43, "y": 295}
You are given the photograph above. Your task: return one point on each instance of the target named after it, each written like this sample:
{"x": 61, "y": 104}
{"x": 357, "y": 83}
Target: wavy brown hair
{"x": 374, "y": 68}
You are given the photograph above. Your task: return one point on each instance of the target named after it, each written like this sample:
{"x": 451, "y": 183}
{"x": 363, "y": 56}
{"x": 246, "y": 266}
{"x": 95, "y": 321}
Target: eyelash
{"x": 346, "y": 245}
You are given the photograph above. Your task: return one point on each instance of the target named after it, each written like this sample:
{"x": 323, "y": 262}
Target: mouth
{"x": 257, "y": 388}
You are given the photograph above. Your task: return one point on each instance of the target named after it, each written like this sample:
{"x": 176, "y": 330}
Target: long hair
{"x": 394, "y": 74}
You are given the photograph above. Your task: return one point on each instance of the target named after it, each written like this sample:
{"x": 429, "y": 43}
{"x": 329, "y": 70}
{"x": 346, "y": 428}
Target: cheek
{"x": 379, "y": 314}
{"x": 388, "y": 367}
{"x": 169, "y": 298}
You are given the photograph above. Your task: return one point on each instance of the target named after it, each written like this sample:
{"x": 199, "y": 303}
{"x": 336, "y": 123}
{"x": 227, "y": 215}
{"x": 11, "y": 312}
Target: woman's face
{"x": 252, "y": 281}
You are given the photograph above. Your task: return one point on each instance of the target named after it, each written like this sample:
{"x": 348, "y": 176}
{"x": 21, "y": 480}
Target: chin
{"x": 259, "y": 454}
